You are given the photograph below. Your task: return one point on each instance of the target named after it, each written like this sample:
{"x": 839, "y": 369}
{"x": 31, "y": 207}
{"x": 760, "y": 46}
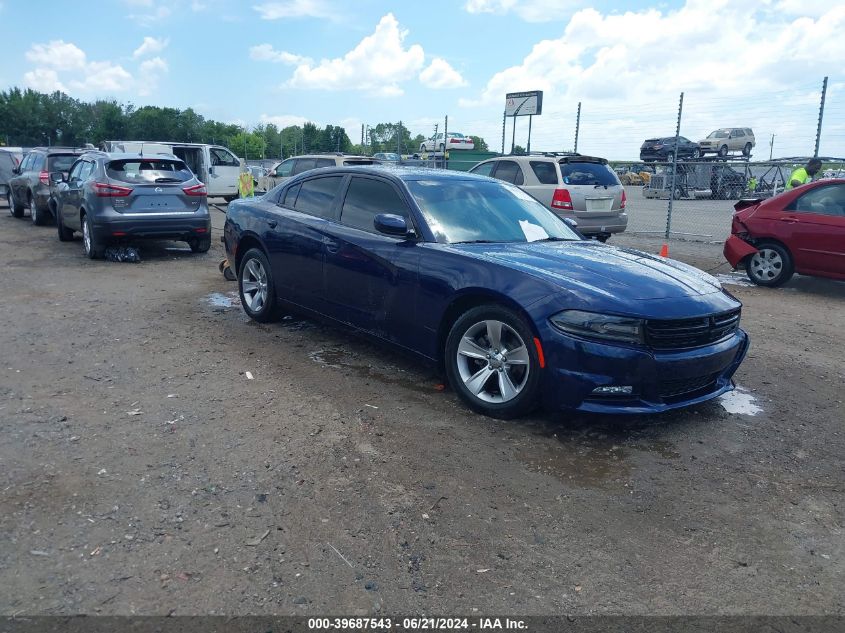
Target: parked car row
{"x": 720, "y": 142}
{"x": 109, "y": 197}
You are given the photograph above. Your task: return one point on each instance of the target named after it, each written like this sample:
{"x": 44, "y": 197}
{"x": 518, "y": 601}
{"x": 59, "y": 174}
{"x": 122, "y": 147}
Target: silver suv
{"x": 728, "y": 139}
{"x": 582, "y": 188}
{"x": 298, "y": 164}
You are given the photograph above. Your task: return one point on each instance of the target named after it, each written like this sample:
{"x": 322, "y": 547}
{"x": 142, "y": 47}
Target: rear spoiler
{"x": 750, "y": 202}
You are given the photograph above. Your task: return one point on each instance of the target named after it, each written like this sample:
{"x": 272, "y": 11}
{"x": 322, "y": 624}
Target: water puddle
{"x": 740, "y": 401}
{"x": 341, "y": 359}
{"x": 734, "y": 279}
{"x": 220, "y": 300}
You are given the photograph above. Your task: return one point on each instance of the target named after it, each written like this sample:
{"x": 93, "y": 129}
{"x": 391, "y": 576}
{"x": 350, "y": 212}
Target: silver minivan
{"x": 582, "y": 188}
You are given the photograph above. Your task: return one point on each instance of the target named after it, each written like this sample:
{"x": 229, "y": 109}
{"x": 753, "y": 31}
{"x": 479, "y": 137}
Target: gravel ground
{"x": 142, "y": 470}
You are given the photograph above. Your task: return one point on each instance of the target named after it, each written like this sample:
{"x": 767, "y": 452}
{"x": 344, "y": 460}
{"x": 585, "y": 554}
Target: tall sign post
{"x": 523, "y": 104}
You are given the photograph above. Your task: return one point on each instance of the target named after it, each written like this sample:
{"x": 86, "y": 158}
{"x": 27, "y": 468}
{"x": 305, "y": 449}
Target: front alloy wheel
{"x": 492, "y": 362}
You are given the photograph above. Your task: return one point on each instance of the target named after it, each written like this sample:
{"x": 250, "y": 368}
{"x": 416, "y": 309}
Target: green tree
{"x": 480, "y": 144}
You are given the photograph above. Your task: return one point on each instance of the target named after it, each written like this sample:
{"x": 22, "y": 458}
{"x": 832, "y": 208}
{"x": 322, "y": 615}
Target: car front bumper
{"x": 660, "y": 379}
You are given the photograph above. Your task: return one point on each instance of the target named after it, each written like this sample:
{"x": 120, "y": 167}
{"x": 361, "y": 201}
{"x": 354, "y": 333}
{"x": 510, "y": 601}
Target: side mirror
{"x": 391, "y": 224}
{"x": 16, "y": 171}
{"x": 56, "y": 177}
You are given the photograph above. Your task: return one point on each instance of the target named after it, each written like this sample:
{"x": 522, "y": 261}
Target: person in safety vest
{"x": 246, "y": 185}
{"x": 803, "y": 175}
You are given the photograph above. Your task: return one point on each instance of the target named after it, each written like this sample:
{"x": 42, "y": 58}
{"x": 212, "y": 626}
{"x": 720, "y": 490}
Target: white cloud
{"x": 728, "y": 56}
{"x": 439, "y": 74}
{"x": 58, "y": 54}
{"x": 150, "y": 46}
{"x": 282, "y": 121}
{"x": 44, "y": 80}
{"x": 296, "y": 9}
{"x": 80, "y": 75}
{"x": 528, "y": 10}
{"x": 150, "y": 72}
{"x": 265, "y": 52}
{"x": 152, "y": 12}
{"x": 377, "y": 64}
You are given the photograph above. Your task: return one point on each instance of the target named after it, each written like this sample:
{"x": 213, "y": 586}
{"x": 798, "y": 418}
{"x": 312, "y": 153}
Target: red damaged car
{"x": 801, "y": 230}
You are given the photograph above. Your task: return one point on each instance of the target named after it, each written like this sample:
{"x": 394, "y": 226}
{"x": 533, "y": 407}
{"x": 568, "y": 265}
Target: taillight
{"x": 44, "y": 178}
{"x": 562, "y": 199}
{"x": 624, "y": 199}
{"x": 195, "y": 190}
{"x": 103, "y": 190}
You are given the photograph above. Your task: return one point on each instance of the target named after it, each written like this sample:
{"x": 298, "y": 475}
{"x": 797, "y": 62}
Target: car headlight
{"x": 605, "y": 327}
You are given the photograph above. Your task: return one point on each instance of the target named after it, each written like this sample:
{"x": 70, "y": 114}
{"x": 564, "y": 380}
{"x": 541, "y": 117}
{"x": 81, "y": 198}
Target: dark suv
{"x": 114, "y": 197}
{"x": 662, "y": 149}
{"x": 31, "y": 186}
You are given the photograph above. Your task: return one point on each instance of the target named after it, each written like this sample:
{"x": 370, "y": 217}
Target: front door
{"x": 224, "y": 172}
{"x": 817, "y": 224}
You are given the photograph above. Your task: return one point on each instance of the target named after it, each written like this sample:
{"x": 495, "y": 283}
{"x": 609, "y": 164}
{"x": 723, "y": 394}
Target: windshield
{"x": 718, "y": 134}
{"x": 588, "y": 174}
{"x": 142, "y": 171}
{"x": 481, "y": 211}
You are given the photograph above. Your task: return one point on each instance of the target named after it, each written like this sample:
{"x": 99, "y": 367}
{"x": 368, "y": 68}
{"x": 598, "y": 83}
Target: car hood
{"x": 615, "y": 272}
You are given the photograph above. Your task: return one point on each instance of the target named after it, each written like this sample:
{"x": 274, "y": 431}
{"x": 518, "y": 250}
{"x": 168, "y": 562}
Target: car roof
{"x": 401, "y": 173}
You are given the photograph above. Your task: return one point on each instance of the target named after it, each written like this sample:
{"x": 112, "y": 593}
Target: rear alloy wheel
{"x": 200, "y": 245}
{"x": 770, "y": 266}
{"x": 492, "y": 362}
{"x": 255, "y": 285}
{"x": 15, "y": 208}
{"x": 723, "y": 151}
{"x": 38, "y": 218}
{"x": 746, "y": 151}
{"x": 89, "y": 241}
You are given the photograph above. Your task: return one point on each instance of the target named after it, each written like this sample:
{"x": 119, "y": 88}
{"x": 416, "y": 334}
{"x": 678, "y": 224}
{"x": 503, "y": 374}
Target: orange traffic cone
{"x": 664, "y": 250}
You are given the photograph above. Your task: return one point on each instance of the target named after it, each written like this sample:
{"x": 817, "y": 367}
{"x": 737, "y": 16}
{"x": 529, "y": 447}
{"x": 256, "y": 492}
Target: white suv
{"x": 582, "y": 188}
{"x": 298, "y": 164}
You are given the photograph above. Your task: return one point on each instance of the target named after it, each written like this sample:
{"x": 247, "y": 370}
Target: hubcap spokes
{"x": 493, "y": 361}
{"x": 766, "y": 264}
{"x": 86, "y": 237}
{"x": 254, "y": 285}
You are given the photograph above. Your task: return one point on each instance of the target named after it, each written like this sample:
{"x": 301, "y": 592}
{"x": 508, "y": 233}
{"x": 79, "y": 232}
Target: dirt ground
{"x": 142, "y": 471}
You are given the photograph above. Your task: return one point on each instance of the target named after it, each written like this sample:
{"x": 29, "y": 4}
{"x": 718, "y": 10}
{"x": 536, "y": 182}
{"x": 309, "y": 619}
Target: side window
{"x": 325, "y": 162}
{"x": 509, "y": 171}
{"x": 86, "y": 171}
{"x": 222, "y": 158}
{"x": 76, "y": 170}
{"x": 738, "y": 133}
{"x": 316, "y": 196}
{"x": 828, "y": 200}
{"x": 284, "y": 169}
{"x": 290, "y": 196}
{"x": 39, "y": 162}
{"x": 303, "y": 164}
{"x": 366, "y": 198}
{"x": 484, "y": 169}
{"x": 27, "y": 162}
{"x": 545, "y": 172}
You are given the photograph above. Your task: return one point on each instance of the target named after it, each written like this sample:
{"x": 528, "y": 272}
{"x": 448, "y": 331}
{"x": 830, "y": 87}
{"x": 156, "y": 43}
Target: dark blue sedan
{"x": 477, "y": 276}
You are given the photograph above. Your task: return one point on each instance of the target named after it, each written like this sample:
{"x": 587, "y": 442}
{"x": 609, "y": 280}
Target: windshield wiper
{"x": 476, "y": 242}
{"x": 555, "y": 239}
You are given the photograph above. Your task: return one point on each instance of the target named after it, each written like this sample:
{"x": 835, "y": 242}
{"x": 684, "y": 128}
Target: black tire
{"x": 38, "y": 217}
{"x": 746, "y": 151}
{"x": 696, "y": 153}
{"x": 267, "y": 310}
{"x": 770, "y": 266}
{"x": 464, "y": 368}
{"x": 723, "y": 151}
{"x": 679, "y": 193}
{"x": 200, "y": 245}
{"x": 65, "y": 234}
{"x": 15, "y": 207}
{"x": 602, "y": 238}
{"x": 90, "y": 246}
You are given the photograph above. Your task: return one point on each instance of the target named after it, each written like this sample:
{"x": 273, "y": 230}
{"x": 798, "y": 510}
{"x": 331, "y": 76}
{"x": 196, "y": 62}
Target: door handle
{"x": 332, "y": 246}
{"x": 272, "y": 223}
{"x": 790, "y": 220}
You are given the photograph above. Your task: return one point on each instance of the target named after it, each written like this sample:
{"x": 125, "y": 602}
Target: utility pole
{"x": 445, "y": 137}
{"x": 577, "y": 127}
{"x": 504, "y": 120}
{"x": 771, "y": 146}
{"x": 821, "y": 115}
{"x": 398, "y": 136}
{"x": 362, "y": 135}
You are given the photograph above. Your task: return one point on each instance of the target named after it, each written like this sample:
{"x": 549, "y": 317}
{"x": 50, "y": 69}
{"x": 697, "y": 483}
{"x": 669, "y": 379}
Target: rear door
{"x": 816, "y": 221}
{"x": 370, "y": 278}
{"x": 225, "y": 170}
{"x": 297, "y": 241}
{"x": 509, "y": 171}
{"x": 542, "y": 186}
{"x": 18, "y": 183}
{"x": 72, "y": 193}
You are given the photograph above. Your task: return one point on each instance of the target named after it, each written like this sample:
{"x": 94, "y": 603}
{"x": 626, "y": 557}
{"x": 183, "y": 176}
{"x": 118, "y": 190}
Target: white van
{"x": 214, "y": 165}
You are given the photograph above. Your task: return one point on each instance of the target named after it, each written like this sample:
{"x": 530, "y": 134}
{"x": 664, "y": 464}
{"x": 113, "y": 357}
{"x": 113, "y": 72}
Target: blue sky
{"x": 748, "y": 63}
